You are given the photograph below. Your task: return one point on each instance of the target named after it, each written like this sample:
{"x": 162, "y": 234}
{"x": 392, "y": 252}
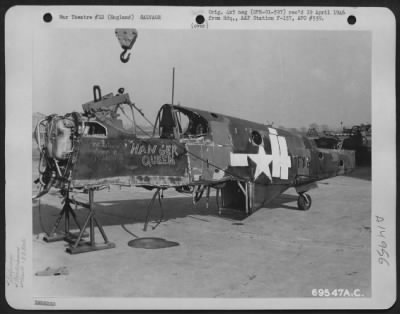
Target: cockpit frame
{"x": 169, "y": 123}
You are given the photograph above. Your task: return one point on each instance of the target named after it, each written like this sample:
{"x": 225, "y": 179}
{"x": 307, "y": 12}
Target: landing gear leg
{"x": 304, "y": 201}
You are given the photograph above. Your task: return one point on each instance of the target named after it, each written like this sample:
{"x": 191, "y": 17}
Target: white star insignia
{"x": 262, "y": 161}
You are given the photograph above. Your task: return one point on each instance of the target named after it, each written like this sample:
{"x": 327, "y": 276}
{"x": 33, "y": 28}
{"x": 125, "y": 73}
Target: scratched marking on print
{"x": 15, "y": 268}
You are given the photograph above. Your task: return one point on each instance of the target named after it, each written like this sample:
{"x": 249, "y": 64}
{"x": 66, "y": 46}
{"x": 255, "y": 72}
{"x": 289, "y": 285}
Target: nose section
{"x": 55, "y": 137}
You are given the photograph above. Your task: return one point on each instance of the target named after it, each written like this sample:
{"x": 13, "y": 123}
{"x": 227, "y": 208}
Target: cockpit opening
{"x": 175, "y": 122}
{"x": 195, "y": 126}
{"x": 94, "y": 128}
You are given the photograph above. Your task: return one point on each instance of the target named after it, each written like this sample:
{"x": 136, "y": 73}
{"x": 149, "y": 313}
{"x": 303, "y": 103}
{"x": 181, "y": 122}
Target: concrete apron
{"x": 278, "y": 251}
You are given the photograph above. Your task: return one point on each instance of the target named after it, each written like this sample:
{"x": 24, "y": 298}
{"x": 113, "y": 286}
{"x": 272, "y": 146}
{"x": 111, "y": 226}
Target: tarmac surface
{"x": 279, "y": 251}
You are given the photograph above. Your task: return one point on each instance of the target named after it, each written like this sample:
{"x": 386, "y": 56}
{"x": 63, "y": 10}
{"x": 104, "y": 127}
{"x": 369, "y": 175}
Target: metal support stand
{"x": 208, "y": 195}
{"x": 198, "y": 193}
{"x": 247, "y": 188}
{"x": 66, "y": 235}
{"x": 78, "y": 245}
{"x": 250, "y": 196}
{"x": 149, "y": 208}
{"x": 244, "y": 191}
{"x": 217, "y": 200}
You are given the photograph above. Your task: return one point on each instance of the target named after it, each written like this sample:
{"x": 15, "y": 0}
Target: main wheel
{"x": 304, "y": 201}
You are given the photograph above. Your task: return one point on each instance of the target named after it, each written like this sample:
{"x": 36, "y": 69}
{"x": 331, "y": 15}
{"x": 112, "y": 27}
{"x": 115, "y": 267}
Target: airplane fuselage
{"x": 188, "y": 148}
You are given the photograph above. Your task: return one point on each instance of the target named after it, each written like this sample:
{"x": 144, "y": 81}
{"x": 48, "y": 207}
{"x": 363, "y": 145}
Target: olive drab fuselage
{"x": 189, "y": 148}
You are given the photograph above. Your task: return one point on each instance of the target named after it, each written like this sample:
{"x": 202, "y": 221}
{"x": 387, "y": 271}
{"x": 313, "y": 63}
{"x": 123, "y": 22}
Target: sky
{"x": 289, "y": 78}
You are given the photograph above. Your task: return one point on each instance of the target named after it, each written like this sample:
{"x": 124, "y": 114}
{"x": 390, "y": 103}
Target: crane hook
{"x": 124, "y": 58}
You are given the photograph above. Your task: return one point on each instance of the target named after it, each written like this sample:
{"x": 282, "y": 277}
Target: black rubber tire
{"x": 304, "y": 202}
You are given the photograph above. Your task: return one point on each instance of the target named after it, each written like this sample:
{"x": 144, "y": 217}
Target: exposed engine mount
{"x": 58, "y": 137}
